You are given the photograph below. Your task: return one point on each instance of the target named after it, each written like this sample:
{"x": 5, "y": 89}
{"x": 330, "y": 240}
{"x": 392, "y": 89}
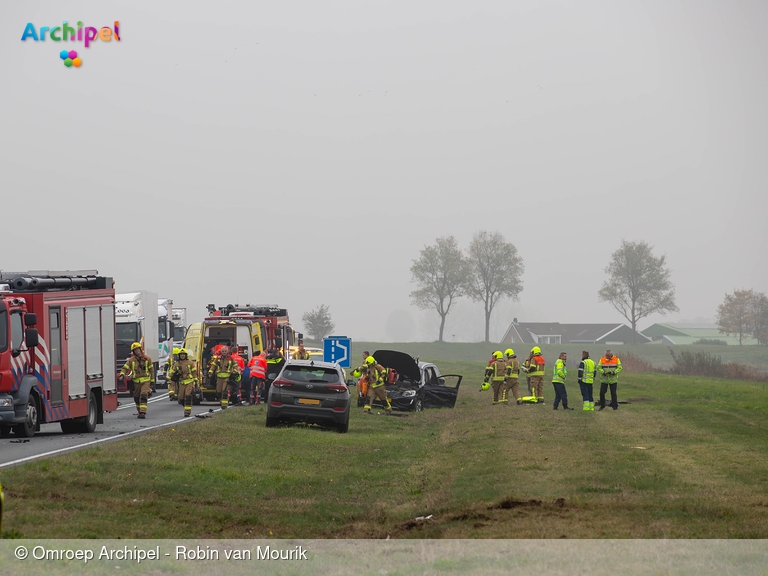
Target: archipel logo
{"x": 65, "y": 33}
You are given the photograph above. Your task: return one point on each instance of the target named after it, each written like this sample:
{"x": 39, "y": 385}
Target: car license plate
{"x": 311, "y": 401}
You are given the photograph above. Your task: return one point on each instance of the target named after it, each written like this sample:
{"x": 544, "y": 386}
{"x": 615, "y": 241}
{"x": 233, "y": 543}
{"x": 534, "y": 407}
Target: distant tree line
{"x": 490, "y": 270}
{"x": 638, "y": 282}
{"x": 744, "y": 313}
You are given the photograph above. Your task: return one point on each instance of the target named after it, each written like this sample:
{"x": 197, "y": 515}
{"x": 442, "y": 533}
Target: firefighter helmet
{"x": 498, "y": 355}
{"x": 357, "y": 373}
{"x": 509, "y": 352}
{"x": 535, "y": 350}
{"x": 135, "y": 345}
{"x": 176, "y": 350}
{"x": 370, "y": 360}
{"x": 182, "y": 351}
{"x": 485, "y": 386}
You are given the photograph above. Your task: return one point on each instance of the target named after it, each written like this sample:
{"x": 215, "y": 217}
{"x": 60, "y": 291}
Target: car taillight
{"x": 282, "y": 383}
{"x": 339, "y": 408}
{"x": 274, "y": 403}
{"x": 340, "y": 388}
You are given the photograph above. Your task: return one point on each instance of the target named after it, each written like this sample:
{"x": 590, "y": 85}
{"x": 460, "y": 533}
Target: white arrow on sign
{"x": 338, "y": 344}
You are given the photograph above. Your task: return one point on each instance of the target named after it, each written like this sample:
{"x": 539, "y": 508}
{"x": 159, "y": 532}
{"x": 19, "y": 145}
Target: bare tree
{"x": 638, "y": 283}
{"x": 759, "y": 324}
{"x": 736, "y": 315}
{"x": 497, "y": 272}
{"x": 318, "y": 323}
{"x": 440, "y": 272}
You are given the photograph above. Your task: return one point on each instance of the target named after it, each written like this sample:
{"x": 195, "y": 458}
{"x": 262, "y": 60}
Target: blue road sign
{"x": 337, "y": 349}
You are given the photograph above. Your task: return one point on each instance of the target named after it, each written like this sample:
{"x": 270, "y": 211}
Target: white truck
{"x": 136, "y": 321}
{"x": 165, "y": 338}
{"x": 179, "y": 326}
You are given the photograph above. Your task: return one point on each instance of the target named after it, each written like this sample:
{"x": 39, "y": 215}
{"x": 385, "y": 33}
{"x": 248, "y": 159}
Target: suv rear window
{"x": 311, "y": 374}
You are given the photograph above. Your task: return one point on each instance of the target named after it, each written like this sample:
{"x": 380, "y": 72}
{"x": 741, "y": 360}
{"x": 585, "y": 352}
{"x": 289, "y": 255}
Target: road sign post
{"x": 337, "y": 349}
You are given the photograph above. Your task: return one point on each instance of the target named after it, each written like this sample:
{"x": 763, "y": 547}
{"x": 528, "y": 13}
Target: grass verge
{"x": 686, "y": 458}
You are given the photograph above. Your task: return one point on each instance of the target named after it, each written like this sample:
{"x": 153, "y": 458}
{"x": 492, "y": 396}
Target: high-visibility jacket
{"x": 587, "y": 371}
{"x": 513, "y": 368}
{"x": 141, "y": 369}
{"x": 609, "y": 370}
{"x": 239, "y": 360}
{"x": 376, "y": 375}
{"x": 258, "y": 366}
{"x": 536, "y": 367}
{"x": 301, "y": 355}
{"x": 499, "y": 370}
{"x": 560, "y": 372}
{"x": 187, "y": 371}
{"x": 223, "y": 367}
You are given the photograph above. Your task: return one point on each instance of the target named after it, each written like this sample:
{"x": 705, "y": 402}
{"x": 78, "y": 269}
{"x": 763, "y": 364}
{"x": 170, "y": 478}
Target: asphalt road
{"x": 122, "y": 423}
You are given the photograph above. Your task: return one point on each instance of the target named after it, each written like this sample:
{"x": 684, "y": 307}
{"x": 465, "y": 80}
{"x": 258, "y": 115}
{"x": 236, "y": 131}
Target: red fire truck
{"x": 60, "y": 368}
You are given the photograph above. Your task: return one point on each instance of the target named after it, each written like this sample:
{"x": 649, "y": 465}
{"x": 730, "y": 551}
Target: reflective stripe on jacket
{"x": 587, "y": 371}
{"x": 536, "y": 366}
{"x": 499, "y": 370}
{"x": 141, "y": 369}
{"x": 187, "y": 370}
{"x": 560, "y": 372}
{"x": 258, "y": 366}
{"x": 513, "y": 368}
{"x": 609, "y": 369}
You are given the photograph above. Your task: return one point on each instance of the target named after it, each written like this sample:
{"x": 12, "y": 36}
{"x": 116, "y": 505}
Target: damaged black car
{"x": 413, "y": 385}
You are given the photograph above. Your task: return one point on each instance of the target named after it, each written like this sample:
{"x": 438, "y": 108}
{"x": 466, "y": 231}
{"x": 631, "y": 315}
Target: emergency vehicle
{"x": 60, "y": 368}
{"x": 250, "y": 329}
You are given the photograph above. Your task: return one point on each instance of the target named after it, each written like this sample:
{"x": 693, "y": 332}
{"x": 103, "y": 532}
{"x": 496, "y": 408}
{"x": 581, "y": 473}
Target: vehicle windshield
{"x": 162, "y": 329}
{"x": 3, "y": 327}
{"x": 179, "y": 332}
{"x": 128, "y": 331}
{"x": 311, "y": 374}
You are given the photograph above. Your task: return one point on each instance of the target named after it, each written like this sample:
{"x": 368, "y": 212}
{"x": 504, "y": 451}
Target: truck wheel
{"x": 88, "y": 424}
{"x": 69, "y": 427}
{"x": 27, "y": 430}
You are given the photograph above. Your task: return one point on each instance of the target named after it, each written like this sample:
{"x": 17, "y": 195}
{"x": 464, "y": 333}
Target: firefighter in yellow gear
{"x": 301, "y": 353}
{"x": 142, "y": 372}
{"x": 376, "y": 374}
{"x": 173, "y": 388}
{"x": 184, "y": 375}
{"x": 534, "y": 366}
{"x": 496, "y": 372}
{"x": 227, "y": 375}
{"x": 513, "y": 374}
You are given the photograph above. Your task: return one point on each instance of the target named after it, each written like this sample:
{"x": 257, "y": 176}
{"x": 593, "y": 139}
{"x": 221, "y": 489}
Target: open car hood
{"x": 404, "y": 363}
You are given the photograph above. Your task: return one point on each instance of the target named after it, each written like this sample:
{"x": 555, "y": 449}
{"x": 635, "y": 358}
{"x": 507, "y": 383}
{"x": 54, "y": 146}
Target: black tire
{"x": 418, "y": 406}
{"x": 343, "y": 428}
{"x": 28, "y": 428}
{"x": 271, "y": 422}
{"x": 88, "y": 423}
{"x": 69, "y": 427}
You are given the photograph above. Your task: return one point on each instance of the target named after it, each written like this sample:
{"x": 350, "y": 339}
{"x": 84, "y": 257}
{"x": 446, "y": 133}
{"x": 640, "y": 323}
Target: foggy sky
{"x": 303, "y": 152}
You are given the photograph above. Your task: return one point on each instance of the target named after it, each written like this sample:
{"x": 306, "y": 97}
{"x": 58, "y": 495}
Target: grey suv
{"x": 309, "y": 391}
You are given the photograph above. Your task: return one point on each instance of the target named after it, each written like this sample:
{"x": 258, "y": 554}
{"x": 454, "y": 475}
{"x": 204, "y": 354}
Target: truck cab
{"x": 136, "y": 321}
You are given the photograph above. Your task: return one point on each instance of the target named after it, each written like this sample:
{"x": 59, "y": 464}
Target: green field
{"x": 658, "y": 354}
{"x": 686, "y": 458}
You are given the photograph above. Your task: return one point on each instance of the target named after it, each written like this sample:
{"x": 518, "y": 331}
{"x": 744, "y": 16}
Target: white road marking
{"x": 94, "y": 442}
